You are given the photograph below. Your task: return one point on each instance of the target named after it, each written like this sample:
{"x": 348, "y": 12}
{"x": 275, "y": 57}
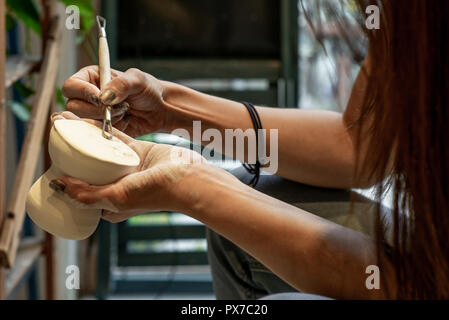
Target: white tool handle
{"x": 105, "y": 64}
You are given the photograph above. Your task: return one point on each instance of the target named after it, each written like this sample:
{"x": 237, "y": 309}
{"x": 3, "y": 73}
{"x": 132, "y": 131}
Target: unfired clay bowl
{"x": 77, "y": 149}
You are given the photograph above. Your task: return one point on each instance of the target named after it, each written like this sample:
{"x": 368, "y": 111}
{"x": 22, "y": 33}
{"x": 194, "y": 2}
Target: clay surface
{"x": 77, "y": 149}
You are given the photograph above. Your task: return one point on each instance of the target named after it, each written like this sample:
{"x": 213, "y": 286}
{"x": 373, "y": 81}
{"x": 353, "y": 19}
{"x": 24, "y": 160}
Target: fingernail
{"x": 55, "y": 114}
{"x": 107, "y": 97}
{"x": 120, "y": 109}
{"x": 57, "y": 185}
{"x": 94, "y": 99}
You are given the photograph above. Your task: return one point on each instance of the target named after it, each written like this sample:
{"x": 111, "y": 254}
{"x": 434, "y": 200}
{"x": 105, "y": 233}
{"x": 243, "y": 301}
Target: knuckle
{"x": 139, "y": 77}
{"x": 119, "y": 197}
{"x": 134, "y": 72}
{"x": 84, "y": 198}
{"x": 120, "y": 84}
{"x": 80, "y": 194}
{"x": 86, "y": 70}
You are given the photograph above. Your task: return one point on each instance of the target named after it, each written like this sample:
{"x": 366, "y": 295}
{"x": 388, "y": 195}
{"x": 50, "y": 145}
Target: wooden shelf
{"x": 28, "y": 253}
{"x": 18, "y": 67}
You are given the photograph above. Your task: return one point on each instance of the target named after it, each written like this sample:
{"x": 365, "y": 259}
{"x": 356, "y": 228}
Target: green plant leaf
{"x": 26, "y": 11}
{"x": 23, "y": 90}
{"x": 60, "y": 98}
{"x": 10, "y": 22}
{"x": 21, "y": 110}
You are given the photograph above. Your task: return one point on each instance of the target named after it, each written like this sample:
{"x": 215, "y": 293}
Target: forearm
{"x": 312, "y": 147}
{"x": 312, "y": 254}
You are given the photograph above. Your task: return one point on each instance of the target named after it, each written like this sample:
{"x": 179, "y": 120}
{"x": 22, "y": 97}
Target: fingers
{"x": 113, "y": 217}
{"x": 84, "y": 109}
{"x": 118, "y": 134}
{"x": 66, "y": 115}
{"x": 120, "y": 109}
{"x": 118, "y": 89}
{"x": 116, "y": 217}
{"x": 87, "y": 110}
{"x": 83, "y": 85}
{"x": 108, "y": 196}
{"x": 122, "y": 123}
{"x": 83, "y": 93}
{"x": 101, "y": 197}
{"x": 78, "y": 190}
{"x": 63, "y": 115}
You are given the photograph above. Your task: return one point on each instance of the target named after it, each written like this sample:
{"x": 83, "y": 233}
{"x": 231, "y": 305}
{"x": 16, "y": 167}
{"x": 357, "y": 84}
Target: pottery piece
{"x": 77, "y": 149}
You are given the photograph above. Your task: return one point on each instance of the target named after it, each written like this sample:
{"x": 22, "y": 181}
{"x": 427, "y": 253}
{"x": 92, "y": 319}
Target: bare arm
{"x": 314, "y": 146}
{"x": 310, "y": 253}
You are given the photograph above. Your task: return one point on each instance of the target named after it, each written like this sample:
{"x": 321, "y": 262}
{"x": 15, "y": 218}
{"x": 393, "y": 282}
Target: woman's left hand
{"x": 153, "y": 187}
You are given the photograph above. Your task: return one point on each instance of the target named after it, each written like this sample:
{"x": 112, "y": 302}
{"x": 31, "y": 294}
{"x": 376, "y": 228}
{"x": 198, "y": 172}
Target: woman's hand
{"x": 154, "y": 185}
{"x": 136, "y": 97}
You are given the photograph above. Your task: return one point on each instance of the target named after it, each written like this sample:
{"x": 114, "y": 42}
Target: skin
{"x": 315, "y": 147}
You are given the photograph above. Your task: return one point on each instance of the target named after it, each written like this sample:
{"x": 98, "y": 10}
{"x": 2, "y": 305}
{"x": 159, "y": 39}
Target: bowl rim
{"x": 86, "y": 154}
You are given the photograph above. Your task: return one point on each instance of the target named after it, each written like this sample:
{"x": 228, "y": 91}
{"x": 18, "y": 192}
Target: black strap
{"x": 257, "y": 124}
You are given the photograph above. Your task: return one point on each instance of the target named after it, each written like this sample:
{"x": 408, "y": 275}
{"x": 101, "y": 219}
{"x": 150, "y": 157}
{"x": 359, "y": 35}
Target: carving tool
{"x": 105, "y": 74}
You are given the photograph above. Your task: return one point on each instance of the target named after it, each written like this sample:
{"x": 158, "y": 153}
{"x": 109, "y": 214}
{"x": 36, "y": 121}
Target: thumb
{"x": 101, "y": 197}
{"x": 121, "y": 87}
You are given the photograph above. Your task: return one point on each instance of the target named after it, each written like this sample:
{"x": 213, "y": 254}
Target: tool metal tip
{"x": 108, "y": 132}
{"x": 101, "y": 23}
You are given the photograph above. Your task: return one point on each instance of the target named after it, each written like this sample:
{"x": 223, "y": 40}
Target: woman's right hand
{"x": 136, "y": 97}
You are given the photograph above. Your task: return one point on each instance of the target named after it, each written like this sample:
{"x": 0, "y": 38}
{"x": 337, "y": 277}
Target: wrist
{"x": 200, "y": 185}
{"x": 185, "y": 105}
{"x": 172, "y": 100}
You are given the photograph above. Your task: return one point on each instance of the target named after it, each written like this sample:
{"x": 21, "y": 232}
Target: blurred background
{"x": 263, "y": 51}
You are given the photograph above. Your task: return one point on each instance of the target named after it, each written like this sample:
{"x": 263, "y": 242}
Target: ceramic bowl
{"x": 77, "y": 149}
